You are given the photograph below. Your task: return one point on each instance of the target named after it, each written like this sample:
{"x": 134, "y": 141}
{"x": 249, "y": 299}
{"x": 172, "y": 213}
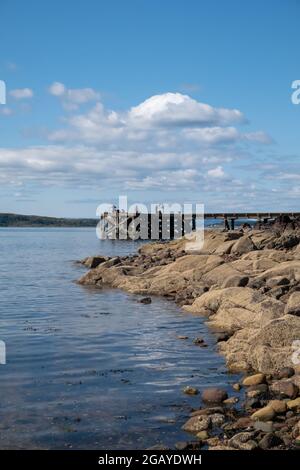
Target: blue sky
{"x": 161, "y": 100}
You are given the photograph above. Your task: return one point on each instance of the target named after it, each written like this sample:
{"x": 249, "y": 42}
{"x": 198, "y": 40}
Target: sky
{"x": 163, "y": 101}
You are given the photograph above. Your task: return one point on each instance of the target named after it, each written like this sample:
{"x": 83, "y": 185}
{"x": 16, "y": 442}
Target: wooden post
{"x": 182, "y": 225}
{"x": 193, "y": 222}
{"x": 160, "y": 225}
{"x": 172, "y": 228}
{"x": 117, "y": 225}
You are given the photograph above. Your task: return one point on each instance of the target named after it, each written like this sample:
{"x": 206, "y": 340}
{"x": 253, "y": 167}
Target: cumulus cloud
{"x": 21, "y": 93}
{"x": 168, "y": 142}
{"x": 72, "y": 98}
{"x": 162, "y": 121}
{"x": 176, "y": 109}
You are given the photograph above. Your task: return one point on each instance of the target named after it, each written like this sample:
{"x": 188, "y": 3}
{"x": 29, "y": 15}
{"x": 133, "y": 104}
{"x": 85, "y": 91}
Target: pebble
{"x": 294, "y": 404}
{"x": 200, "y": 342}
{"x": 269, "y": 441}
{"x": 242, "y": 423}
{"x": 264, "y": 426}
{"x": 231, "y": 401}
{"x": 237, "y": 387}
{"x": 202, "y": 435}
{"x": 243, "y": 441}
{"x": 190, "y": 390}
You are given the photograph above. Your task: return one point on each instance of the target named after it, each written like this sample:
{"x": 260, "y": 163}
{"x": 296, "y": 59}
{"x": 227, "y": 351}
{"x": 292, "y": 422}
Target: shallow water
{"x": 89, "y": 368}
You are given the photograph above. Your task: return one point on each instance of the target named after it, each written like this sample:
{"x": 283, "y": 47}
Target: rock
{"x": 266, "y": 345}
{"x": 264, "y": 426}
{"x": 254, "y": 393}
{"x": 236, "y": 281}
{"x": 286, "y": 373}
{"x": 208, "y": 411}
{"x": 260, "y": 389}
{"x": 264, "y": 414}
{"x": 213, "y": 441}
{"x": 237, "y": 387}
{"x": 285, "y": 389}
{"x": 182, "y": 445}
{"x": 94, "y": 261}
{"x": 242, "y": 423}
{"x": 253, "y": 403}
{"x": 243, "y": 245}
{"x": 200, "y": 341}
{"x": 231, "y": 401}
{"x": 222, "y": 337}
{"x": 111, "y": 262}
{"x": 202, "y": 435}
{"x": 243, "y": 441}
{"x": 217, "y": 419}
{"x": 146, "y": 300}
{"x": 296, "y": 430}
{"x": 214, "y": 395}
{"x": 293, "y": 304}
{"x": 190, "y": 390}
{"x": 197, "y": 424}
{"x": 278, "y": 406}
{"x": 269, "y": 441}
{"x": 277, "y": 281}
{"x": 294, "y": 404}
{"x": 254, "y": 380}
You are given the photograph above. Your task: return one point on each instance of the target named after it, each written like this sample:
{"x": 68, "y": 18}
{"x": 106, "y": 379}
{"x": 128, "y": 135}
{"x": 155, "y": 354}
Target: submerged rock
{"x": 190, "y": 390}
{"x": 146, "y": 300}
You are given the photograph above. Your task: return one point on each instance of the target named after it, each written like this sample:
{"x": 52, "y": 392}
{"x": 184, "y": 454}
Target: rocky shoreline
{"x": 247, "y": 284}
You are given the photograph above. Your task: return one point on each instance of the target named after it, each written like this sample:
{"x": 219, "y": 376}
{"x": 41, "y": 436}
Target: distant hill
{"x": 17, "y": 220}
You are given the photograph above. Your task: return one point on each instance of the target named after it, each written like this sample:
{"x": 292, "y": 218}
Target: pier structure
{"x": 120, "y": 225}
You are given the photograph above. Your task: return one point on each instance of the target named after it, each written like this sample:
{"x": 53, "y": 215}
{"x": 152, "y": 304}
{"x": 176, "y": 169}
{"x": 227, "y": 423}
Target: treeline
{"x": 17, "y": 220}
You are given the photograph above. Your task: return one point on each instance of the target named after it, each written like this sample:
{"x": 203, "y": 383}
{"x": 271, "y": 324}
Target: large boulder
{"x": 267, "y": 349}
{"x": 243, "y": 245}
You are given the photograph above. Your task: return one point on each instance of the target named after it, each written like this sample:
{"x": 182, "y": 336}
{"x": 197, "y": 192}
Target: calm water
{"x": 90, "y": 368}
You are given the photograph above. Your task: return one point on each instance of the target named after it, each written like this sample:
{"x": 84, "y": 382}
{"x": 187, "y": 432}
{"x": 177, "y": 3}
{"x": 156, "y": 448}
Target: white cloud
{"x": 73, "y": 98}
{"x": 168, "y": 142}
{"x": 57, "y": 89}
{"x": 217, "y": 172}
{"x": 175, "y": 109}
{"x": 213, "y": 135}
{"x": 21, "y": 93}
